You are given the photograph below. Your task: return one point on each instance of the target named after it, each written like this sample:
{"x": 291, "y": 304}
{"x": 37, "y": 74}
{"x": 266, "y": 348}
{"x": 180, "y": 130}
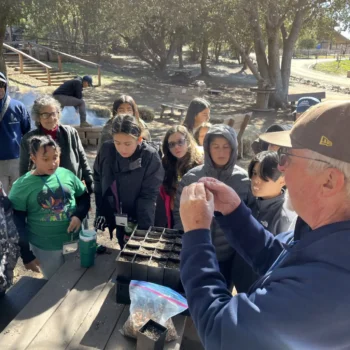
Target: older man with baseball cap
{"x": 301, "y": 300}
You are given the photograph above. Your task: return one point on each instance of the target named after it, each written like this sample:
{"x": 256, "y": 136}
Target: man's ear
{"x": 282, "y": 181}
{"x": 139, "y": 140}
{"x": 334, "y": 181}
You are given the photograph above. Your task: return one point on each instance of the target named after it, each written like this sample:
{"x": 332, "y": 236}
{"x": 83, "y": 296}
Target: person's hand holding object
{"x": 226, "y": 200}
{"x": 196, "y": 207}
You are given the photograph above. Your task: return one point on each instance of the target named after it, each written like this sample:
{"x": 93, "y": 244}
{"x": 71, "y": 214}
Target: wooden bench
{"x": 76, "y": 310}
{"x": 239, "y": 123}
{"x": 293, "y": 98}
{"x": 180, "y": 98}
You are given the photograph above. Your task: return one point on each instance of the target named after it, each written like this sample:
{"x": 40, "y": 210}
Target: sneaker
{"x": 85, "y": 125}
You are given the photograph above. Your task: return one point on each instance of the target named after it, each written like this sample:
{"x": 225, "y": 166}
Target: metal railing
{"x": 74, "y": 58}
{"x": 22, "y": 54}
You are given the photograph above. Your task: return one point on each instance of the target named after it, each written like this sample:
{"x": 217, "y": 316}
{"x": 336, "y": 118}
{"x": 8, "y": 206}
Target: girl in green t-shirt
{"x": 49, "y": 204}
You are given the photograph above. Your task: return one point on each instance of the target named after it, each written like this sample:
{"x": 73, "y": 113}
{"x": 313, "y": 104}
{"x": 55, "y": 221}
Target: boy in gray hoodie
{"x": 220, "y": 156}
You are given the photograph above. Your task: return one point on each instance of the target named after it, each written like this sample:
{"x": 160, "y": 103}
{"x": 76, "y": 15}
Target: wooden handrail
{"x": 23, "y": 54}
{"x": 66, "y": 55}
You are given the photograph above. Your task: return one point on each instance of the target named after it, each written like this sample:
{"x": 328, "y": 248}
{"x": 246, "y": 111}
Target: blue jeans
{"x": 50, "y": 260}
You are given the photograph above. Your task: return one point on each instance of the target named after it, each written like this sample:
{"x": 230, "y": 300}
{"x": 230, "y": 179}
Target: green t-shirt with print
{"x": 49, "y": 202}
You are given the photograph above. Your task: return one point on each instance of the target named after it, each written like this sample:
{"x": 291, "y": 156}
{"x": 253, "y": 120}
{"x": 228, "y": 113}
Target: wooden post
{"x": 20, "y": 57}
{"x": 59, "y": 61}
{"x": 30, "y": 50}
{"x": 99, "y": 75}
{"x": 48, "y": 76}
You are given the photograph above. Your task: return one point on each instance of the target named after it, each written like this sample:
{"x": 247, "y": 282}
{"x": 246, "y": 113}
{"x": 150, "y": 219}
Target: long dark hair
{"x": 126, "y": 124}
{"x": 125, "y": 99}
{"x": 196, "y": 106}
{"x": 175, "y": 168}
{"x": 36, "y": 142}
{"x": 268, "y": 161}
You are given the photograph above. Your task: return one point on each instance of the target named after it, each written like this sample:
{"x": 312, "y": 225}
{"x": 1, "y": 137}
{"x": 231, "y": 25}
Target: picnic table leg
{"x": 162, "y": 112}
{"x": 172, "y": 111}
{"x": 182, "y": 114}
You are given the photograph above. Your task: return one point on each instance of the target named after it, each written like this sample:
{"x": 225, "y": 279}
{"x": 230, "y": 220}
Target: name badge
{"x": 121, "y": 220}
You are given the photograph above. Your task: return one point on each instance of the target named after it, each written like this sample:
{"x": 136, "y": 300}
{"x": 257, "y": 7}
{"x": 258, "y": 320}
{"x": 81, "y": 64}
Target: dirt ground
{"x": 134, "y": 78}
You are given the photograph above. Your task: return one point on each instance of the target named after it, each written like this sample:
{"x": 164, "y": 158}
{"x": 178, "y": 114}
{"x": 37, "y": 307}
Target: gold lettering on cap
{"x": 326, "y": 142}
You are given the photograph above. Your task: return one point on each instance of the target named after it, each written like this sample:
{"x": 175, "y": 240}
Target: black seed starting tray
{"x": 152, "y": 256}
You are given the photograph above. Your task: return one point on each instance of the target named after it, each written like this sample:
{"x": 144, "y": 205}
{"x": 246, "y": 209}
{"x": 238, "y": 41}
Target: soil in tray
{"x": 143, "y": 260}
{"x": 161, "y": 254}
{"x": 152, "y": 332}
{"x": 149, "y": 244}
{"x": 178, "y": 240}
{"x": 131, "y": 249}
{"x": 164, "y": 245}
{"x": 146, "y": 251}
{"x": 173, "y": 265}
{"x": 154, "y": 235}
{"x": 157, "y": 263}
{"x": 140, "y": 233}
{"x": 177, "y": 248}
{"x": 126, "y": 258}
{"x": 134, "y": 242}
{"x": 174, "y": 255}
{"x": 167, "y": 238}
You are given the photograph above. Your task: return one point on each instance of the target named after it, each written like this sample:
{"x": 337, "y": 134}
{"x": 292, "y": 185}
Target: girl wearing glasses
{"x": 124, "y": 104}
{"x": 46, "y": 113}
{"x": 198, "y": 112}
{"x": 127, "y": 177}
{"x": 269, "y": 208}
{"x": 180, "y": 155}
{"x": 220, "y": 155}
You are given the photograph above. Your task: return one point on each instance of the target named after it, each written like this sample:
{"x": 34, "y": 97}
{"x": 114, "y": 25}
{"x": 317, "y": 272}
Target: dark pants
{"x": 70, "y": 101}
{"x": 120, "y": 236}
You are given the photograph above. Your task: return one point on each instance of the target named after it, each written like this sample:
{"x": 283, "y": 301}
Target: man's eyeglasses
{"x": 47, "y": 115}
{"x": 177, "y": 143}
{"x": 2, "y": 85}
{"x": 283, "y": 157}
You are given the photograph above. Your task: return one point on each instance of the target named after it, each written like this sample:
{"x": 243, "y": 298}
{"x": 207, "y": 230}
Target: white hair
{"x": 327, "y": 162}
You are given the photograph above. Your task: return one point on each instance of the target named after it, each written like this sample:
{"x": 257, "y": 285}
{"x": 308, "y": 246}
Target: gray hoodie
{"x": 232, "y": 175}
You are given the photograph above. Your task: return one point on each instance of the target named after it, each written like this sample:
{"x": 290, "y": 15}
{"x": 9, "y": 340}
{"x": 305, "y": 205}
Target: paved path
{"x": 303, "y": 68}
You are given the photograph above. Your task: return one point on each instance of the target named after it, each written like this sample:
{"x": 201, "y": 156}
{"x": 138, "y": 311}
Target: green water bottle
{"x": 87, "y": 247}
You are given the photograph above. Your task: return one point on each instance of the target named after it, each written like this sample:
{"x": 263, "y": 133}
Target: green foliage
{"x": 146, "y": 114}
{"x": 307, "y": 43}
{"x": 334, "y": 67}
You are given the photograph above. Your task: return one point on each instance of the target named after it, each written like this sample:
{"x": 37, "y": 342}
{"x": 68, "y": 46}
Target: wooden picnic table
{"x": 76, "y": 309}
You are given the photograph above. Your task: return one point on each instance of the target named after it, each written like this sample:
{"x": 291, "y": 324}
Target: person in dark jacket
{"x": 220, "y": 155}
{"x": 300, "y": 301}
{"x": 14, "y": 123}
{"x": 124, "y": 104}
{"x": 70, "y": 94}
{"x": 46, "y": 113}
{"x": 127, "y": 177}
{"x": 269, "y": 208}
{"x": 9, "y": 248}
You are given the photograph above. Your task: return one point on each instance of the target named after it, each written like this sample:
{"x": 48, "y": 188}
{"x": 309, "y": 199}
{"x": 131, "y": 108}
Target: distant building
{"x": 335, "y": 41}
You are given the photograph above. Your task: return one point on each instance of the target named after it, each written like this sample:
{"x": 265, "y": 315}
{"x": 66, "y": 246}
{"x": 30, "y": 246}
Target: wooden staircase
{"x": 35, "y": 70}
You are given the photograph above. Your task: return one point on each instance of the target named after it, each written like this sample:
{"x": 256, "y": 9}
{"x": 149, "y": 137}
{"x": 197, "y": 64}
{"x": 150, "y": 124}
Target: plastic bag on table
{"x": 152, "y": 301}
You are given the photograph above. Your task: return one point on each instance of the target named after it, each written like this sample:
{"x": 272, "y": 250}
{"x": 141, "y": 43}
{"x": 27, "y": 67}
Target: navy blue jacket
{"x": 15, "y": 123}
{"x": 301, "y": 300}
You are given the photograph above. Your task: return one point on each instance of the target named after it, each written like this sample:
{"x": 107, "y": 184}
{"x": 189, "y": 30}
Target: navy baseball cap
{"x": 305, "y": 103}
{"x": 88, "y": 79}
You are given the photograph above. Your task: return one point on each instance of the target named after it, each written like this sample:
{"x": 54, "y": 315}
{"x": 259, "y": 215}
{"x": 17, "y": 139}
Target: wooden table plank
{"x": 28, "y": 323}
{"x": 99, "y": 323}
{"x": 118, "y": 342}
{"x": 59, "y": 330}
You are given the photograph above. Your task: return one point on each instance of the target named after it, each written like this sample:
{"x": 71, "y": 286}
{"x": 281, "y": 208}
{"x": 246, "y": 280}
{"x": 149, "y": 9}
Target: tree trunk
{"x": 3, "y": 21}
{"x": 194, "y": 57}
{"x": 217, "y": 51}
{"x": 204, "y": 66}
{"x": 180, "y": 55}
